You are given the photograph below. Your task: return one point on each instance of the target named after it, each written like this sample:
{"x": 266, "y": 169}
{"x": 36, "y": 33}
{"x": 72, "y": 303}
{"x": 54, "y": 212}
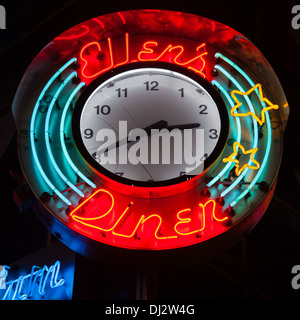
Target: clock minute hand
{"x": 162, "y": 124}
{"x": 157, "y": 125}
{"x": 184, "y": 126}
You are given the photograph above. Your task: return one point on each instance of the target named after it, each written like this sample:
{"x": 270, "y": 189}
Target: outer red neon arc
{"x": 183, "y": 223}
{"x": 148, "y": 53}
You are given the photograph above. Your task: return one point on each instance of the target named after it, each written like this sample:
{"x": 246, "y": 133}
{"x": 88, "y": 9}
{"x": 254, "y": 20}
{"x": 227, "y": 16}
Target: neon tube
{"x": 238, "y": 138}
{"x": 262, "y": 166}
{"x": 32, "y": 135}
{"x": 47, "y": 139}
{"x": 269, "y": 141}
{"x": 254, "y": 123}
{"x": 35, "y": 278}
{"x": 261, "y": 98}
{"x": 62, "y": 137}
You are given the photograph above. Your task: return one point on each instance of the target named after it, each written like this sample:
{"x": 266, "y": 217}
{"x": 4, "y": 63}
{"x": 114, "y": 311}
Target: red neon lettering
{"x": 83, "y": 220}
{"x": 81, "y": 205}
{"x": 127, "y": 51}
{"x": 147, "y": 54}
{"x": 141, "y": 222}
{"x": 92, "y": 59}
{"x": 150, "y": 51}
{"x": 194, "y": 223}
{"x": 187, "y": 221}
{"x": 93, "y": 67}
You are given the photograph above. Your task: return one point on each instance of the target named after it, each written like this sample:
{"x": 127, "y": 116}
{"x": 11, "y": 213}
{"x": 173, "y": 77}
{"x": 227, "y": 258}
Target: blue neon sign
{"x": 40, "y": 283}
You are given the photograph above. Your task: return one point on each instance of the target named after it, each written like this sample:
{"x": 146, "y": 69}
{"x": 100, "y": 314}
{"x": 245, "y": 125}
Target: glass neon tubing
{"x": 32, "y": 124}
{"x": 262, "y": 166}
{"x": 47, "y": 133}
{"x": 255, "y": 129}
{"x": 33, "y": 279}
{"x": 62, "y": 137}
{"x": 269, "y": 141}
{"x": 238, "y": 126}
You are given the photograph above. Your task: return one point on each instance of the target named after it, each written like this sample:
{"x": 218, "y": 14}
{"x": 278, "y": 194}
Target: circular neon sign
{"x": 139, "y": 134}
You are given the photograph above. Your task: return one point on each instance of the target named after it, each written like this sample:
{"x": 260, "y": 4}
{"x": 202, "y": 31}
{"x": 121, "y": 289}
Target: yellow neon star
{"x": 238, "y": 104}
{"x": 252, "y": 152}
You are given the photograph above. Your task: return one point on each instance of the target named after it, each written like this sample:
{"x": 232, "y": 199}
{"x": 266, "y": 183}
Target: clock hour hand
{"x": 184, "y": 126}
{"x": 162, "y": 124}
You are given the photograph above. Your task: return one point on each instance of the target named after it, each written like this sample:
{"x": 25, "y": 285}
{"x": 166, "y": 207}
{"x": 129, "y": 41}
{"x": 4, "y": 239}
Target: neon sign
{"x": 98, "y": 207}
{"x": 26, "y": 286}
{"x": 99, "y": 58}
{"x": 102, "y": 216}
{"x": 231, "y": 158}
{"x": 261, "y": 120}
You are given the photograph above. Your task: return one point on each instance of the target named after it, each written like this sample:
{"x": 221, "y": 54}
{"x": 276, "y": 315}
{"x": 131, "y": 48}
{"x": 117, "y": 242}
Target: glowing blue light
{"x": 32, "y": 134}
{"x": 17, "y": 290}
{"x": 62, "y": 137}
{"x": 238, "y": 138}
{"x": 263, "y": 164}
{"x": 47, "y": 140}
{"x": 269, "y": 131}
{"x": 235, "y": 82}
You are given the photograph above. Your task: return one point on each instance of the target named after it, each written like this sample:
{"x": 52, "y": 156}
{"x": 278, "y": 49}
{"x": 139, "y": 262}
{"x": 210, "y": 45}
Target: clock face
{"x": 150, "y": 126}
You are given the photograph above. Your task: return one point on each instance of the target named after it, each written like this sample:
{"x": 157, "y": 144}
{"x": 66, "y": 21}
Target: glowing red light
{"x": 148, "y": 54}
{"x": 98, "y": 58}
{"x": 101, "y": 215}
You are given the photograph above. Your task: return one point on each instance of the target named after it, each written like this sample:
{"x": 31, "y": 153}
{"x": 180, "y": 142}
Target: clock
{"x": 150, "y": 126}
{"x": 150, "y": 137}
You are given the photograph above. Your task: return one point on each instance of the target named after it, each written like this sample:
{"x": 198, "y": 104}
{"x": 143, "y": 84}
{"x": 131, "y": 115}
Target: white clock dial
{"x": 150, "y": 124}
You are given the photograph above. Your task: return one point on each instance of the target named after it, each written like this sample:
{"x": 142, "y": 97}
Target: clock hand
{"x": 157, "y": 125}
{"x": 184, "y": 126}
{"x": 162, "y": 124}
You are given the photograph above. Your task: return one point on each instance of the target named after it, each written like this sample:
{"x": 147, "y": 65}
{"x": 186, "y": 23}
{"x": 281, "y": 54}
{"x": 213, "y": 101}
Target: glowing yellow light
{"x": 262, "y": 118}
{"x": 252, "y": 152}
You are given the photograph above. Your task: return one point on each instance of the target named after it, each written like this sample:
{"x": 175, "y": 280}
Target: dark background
{"x": 259, "y": 267}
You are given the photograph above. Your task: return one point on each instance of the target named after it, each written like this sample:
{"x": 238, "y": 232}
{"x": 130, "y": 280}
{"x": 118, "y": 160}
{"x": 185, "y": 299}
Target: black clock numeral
{"x": 203, "y": 109}
{"x": 152, "y": 86}
{"x": 88, "y": 133}
{"x": 181, "y": 92}
{"x": 122, "y": 92}
{"x": 214, "y": 133}
{"x": 105, "y": 110}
